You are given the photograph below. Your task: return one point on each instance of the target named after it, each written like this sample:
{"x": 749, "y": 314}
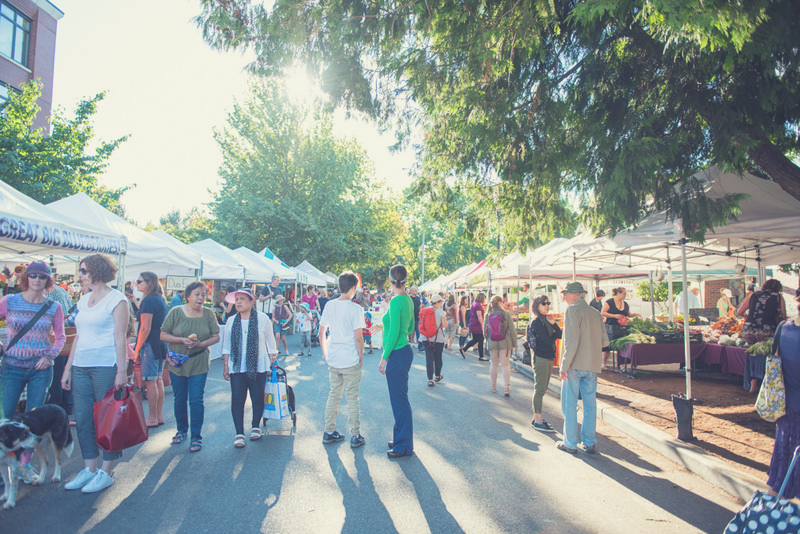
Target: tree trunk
{"x": 777, "y": 166}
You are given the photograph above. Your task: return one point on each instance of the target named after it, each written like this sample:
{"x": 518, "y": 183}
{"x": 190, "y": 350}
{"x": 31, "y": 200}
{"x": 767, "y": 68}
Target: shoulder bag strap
{"x": 778, "y": 337}
{"x": 24, "y": 330}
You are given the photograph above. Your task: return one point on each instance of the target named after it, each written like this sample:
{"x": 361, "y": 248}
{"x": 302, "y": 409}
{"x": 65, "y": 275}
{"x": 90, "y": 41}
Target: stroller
{"x": 314, "y": 328}
{"x": 278, "y": 397}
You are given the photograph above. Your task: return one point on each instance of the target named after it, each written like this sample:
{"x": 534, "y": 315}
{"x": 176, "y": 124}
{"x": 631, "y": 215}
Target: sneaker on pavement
{"x": 357, "y": 441}
{"x": 27, "y": 473}
{"x": 544, "y": 426}
{"x": 590, "y": 450}
{"x": 331, "y": 437}
{"x": 101, "y": 481}
{"x": 83, "y": 478}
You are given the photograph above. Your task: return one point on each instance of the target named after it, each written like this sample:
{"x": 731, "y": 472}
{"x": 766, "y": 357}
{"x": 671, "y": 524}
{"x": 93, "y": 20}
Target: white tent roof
{"x": 434, "y": 285}
{"x": 145, "y": 252}
{"x": 213, "y": 268}
{"x": 273, "y": 266}
{"x": 253, "y": 271}
{"x": 320, "y": 278}
{"x": 28, "y": 228}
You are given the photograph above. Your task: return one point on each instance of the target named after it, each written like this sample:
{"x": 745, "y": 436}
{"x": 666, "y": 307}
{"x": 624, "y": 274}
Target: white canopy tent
{"x": 145, "y": 252}
{"x": 253, "y": 272}
{"x": 316, "y": 277}
{"x": 436, "y": 284}
{"x": 273, "y": 266}
{"x": 29, "y": 229}
{"x": 212, "y": 268}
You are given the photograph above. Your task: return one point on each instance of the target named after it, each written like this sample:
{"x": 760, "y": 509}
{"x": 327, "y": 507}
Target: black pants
{"x": 433, "y": 359}
{"x": 240, "y": 384}
{"x": 477, "y": 339}
{"x": 61, "y": 397}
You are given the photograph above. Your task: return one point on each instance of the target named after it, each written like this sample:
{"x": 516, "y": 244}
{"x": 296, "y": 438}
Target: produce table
{"x": 732, "y": 360}
{"x": 655, "y": 354}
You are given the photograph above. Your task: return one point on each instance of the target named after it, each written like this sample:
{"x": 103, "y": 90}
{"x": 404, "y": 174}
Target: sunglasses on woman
{"x": 545, "y": 304}
{"x": 139, "y": 281}
{"x": 34, "y": 276}
{"x": 82, "y": 271}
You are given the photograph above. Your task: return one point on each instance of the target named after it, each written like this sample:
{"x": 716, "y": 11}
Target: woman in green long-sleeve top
{"x": 396, "y": 362}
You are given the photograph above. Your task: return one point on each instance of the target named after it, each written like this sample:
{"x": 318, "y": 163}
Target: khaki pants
{"x": 347, "y": 379}
{"x": 542, "y": 369}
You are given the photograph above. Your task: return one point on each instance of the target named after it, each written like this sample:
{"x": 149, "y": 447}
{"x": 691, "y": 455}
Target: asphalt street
{"x": 478, "y": 467}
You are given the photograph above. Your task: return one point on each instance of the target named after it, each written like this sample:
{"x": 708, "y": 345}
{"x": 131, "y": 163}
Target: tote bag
{"x": 771, "y": 401}
{"x": 276, "y": 402}
{"x": 119, "y": 419}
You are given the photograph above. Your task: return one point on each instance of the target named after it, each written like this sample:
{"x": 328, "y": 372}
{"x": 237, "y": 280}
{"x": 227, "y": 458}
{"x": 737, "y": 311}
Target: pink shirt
{"x": 35, "y": 344}
{"x": 311, "y": 300}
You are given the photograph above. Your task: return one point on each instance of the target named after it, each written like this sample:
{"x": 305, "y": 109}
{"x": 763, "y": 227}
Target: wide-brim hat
{"x": 230, "y": 298}
{"x": 574, "y": 287}
{"x": 279, "y": 298}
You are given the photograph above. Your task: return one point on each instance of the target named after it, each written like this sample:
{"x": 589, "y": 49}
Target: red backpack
{"x": 427, "y": 323}
{"x": 496, "y": 326}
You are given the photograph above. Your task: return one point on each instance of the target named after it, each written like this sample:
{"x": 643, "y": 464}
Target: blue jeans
{"x": 89, "y": 385}
{"x": 397, "y": 368}
{"x": 13, "y": 381}
{"x": 189, "y": 388}
{"x": 583, "y": 383}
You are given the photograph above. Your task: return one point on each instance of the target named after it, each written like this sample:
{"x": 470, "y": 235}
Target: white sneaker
{"x": 27, "y": 473}
{"x": 101, "y": 481}
{"x": 81, "y": 480}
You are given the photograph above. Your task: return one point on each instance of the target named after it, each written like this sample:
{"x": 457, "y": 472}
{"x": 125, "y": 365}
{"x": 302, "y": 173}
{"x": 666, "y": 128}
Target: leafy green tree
{"x": 613, "y": 102}
{"x": 660, "y": 292}
{"x": 290, "y": 184}
{"x": 51, "y": 167}
{"x": 189, "y": 228}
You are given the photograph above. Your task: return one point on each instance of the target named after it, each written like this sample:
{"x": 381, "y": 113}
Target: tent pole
{"x": 685, "y": 311}
{"x": 652, "y": 299}
{"x": 574, "y": 266}
{"x": 669, "y": 289}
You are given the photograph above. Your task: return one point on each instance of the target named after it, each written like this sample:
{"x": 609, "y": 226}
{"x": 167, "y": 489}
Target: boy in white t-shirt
{"x": 344, "y": 353}
{"x": 303, "y": 318}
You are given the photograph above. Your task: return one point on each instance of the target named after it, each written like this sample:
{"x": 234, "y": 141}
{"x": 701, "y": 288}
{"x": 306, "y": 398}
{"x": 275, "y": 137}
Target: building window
{"x": 15, "y": 33}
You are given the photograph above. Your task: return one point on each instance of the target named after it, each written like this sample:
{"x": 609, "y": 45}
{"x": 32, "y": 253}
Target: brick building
{"x": 28, "y": 49}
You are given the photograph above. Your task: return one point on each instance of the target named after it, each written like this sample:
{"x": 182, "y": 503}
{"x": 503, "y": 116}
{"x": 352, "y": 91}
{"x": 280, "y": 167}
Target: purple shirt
{"x": 790, "y": 361}
{"x": 474, "y": 322}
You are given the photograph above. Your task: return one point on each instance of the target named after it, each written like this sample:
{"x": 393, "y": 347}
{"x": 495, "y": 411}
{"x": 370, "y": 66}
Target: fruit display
{"x": 728, "y": 325}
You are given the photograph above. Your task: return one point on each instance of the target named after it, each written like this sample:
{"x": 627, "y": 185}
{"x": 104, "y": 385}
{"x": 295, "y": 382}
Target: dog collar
{"x": 11, "y": 454}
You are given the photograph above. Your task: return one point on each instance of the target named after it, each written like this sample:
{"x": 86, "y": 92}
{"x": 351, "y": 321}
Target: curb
{"x": 691, "y": 457}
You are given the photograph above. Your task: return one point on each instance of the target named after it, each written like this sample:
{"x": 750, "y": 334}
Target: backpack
{"x": 530, "y": 337}
{"x": 427, "y": 323}
{"x": 496, "y": 326}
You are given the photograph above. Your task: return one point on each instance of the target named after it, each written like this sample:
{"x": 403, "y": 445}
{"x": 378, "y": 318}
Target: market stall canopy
{"x": 255, "y": 272}
{"x": 273, "y": 266}
{"x": 145, "y": 252}
{"x": 481, "y": 275}
{"x": 319, "y": 277}
{"x": 29, "y": 228}
{"x": 213, "y": 268}
{"x": 267, "y": 253}
{"x": 436, "y": 284}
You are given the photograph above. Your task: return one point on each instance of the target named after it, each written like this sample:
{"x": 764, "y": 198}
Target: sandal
{"x": 178, "y": 438}
{"x": 255, "y": 434}
{"x": 430, "y": 383}
{"x": 438, "y": 378}
{"x": 238, "y": 441}
{"x": 507, "y": 393}
{"x": 197, "y": 445}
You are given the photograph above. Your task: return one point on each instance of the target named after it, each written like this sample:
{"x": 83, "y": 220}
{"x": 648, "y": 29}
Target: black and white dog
{"x": 38, "y": 428}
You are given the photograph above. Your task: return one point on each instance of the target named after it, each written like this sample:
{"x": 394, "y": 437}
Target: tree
{"x": 51, "y": 167}
{"x": 613, "y": 102}
{"x": 189, "y": 228}
{"x": 290, "y": 184}
{"x": 660, "y": 293}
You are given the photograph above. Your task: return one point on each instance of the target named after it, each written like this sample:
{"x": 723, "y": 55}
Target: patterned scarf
{"x": 251, "y": 354}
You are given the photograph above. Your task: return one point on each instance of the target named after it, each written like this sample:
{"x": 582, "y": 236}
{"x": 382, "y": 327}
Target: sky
{"x": 167, "y": 90}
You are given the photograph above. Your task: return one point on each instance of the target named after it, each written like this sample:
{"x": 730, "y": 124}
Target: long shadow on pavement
{"x": 362, "y": 504}
{"x": 429, "y": 497}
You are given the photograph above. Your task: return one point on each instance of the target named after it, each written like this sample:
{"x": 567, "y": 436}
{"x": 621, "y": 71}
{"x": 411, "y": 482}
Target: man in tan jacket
{"x": 581, "y": 357}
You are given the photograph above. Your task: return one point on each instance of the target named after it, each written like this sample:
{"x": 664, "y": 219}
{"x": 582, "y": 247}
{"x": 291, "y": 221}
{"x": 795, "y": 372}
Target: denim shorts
{"x": 276, "y": 328}
{"x": 152, "y": 367}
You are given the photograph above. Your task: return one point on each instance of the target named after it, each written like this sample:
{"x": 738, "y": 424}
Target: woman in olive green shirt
{"x": 396, "y": 362}
{"x": 190, "y": 329}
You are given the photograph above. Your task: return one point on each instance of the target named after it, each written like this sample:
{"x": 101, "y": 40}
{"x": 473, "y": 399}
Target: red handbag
{"x": 119, "y": 419}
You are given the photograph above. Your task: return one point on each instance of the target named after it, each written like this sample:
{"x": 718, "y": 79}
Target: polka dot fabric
{"x": 765, "y": 514}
